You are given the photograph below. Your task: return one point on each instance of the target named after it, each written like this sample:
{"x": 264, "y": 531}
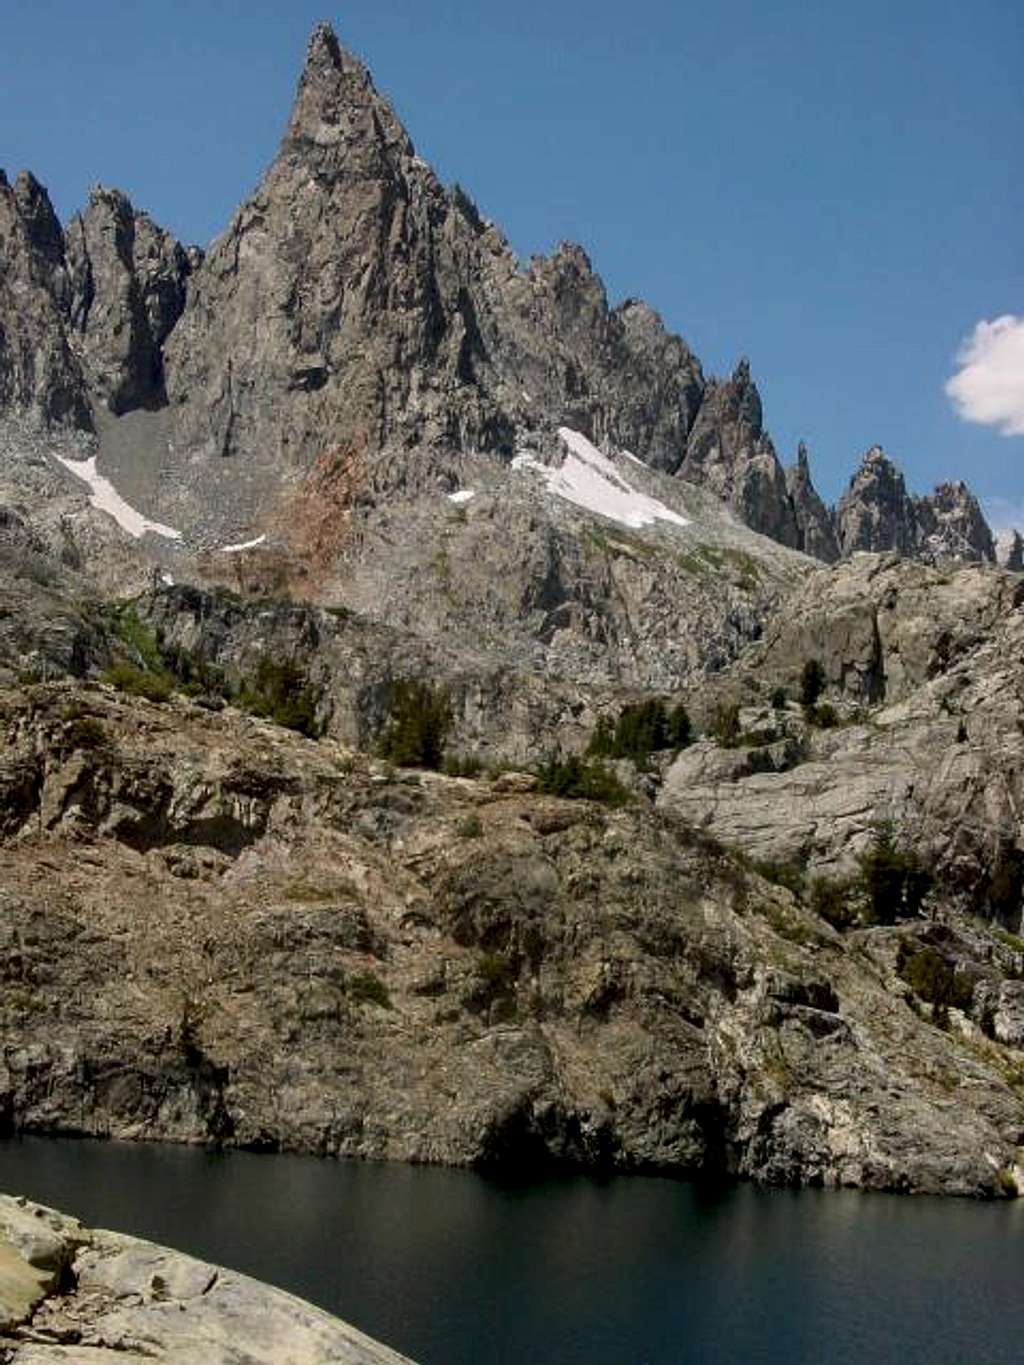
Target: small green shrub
{"x": 366, "y": 988}
{"x": 497, "y": 971}
{"x": 136, "y": 682}
{"x": 86, "y": 732}
{"x": 469, "y": 827}
{"x": 724, "y": 725}
{"x": 281, "y": 692}
{"x": 461, "y": 765}
{"x": 421, "y": 717}
{"x": 832, "y": 899}
{"x": 893, "y": 879}
{"x": 577, "y": 779}
{"x": 641, "y": 729}
{"x": 141, "y": 639}
{"x": 935, "y": 981}
{"x": 812, "y": 682}
{"x": 781, "y": 872}
{"x": 779, "y": 699}
{"x": 823, "y": 714}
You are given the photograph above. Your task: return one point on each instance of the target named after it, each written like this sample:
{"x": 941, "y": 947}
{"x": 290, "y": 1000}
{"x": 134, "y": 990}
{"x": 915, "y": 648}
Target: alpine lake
{"x": 453, "y": 1268}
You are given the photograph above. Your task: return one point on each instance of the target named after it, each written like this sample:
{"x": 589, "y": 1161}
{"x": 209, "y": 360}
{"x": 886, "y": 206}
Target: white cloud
{"x": 989, "y": 386}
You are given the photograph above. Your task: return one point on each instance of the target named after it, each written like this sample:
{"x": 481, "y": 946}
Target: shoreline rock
{"x": 70, "y": 1293}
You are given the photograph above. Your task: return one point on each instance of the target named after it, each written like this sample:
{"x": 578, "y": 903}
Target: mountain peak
{"x": 337, "y": 103}
{"x": 323, "y": 48}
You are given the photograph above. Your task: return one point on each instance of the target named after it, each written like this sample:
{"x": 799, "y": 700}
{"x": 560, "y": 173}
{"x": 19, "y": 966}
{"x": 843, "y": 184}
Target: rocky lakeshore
{"x": 69, "y": 1293}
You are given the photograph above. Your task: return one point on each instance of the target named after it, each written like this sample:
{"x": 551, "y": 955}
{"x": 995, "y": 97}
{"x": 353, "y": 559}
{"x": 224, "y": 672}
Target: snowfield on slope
{"x": 105, "y": 498}
{"x": 590, "y": 480}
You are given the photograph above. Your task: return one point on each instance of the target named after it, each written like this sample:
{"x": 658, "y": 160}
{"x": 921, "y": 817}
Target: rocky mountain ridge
{"x": 356, "y": 307}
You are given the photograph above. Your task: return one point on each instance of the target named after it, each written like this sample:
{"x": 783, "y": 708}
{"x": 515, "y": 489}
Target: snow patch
{"x": 590, "y": 480}
{"x": 105, "y": 498}
{"x": 245, "y": 545}
{"x": 463, "y": 495}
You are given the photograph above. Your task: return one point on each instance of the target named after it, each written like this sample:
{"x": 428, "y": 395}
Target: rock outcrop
{"x": 39, "y": 373}
{"x": 127, "y": 290}
{"x": 354, "y": 301}
{"x": 876, "y": 513}
{"x": 815, "y": 529}
{"x": 729, "y": 453}
{"x": 68, "y": 1292}
{"x": 950, "y": 525}
{"x": 1010, "y": 550}
{"x": 924, "y": 664}
{"x": 247, "y": 937}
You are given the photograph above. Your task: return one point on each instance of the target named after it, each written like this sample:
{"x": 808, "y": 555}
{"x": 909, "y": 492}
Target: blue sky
{"x": 834, "y": 190}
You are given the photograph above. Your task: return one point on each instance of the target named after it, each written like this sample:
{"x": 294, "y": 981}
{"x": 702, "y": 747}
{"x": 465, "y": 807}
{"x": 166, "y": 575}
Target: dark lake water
{"x": 457, "y": 1270}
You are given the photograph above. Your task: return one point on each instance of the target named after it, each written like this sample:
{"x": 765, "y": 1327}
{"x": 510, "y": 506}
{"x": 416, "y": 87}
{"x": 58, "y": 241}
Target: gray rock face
{"x": 1010, "y": 550}
{"x": 68, "y": 1292}
{"x": 950, "y": 525}
{"x": 876, "y": 513}
{"x": 39, "y": 374}
{"x": 817, "y": 536}
{"x": 334, "y": 957}
{"x": 937, "y": 653}
{"x": 729, "y": 453}
{"x": 128, "y": 279}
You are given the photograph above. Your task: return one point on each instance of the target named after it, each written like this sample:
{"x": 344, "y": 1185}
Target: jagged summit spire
{"x": 323, "y": 47}
{"x": 337, "y": 104}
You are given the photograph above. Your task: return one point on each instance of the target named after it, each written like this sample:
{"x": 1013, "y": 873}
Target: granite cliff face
{"x": 251, "y": 938}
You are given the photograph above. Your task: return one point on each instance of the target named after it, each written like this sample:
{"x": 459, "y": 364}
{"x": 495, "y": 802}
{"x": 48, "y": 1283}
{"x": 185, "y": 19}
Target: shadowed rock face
{"x": 128, "y": 279}
{"x": 39, "y": 373}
